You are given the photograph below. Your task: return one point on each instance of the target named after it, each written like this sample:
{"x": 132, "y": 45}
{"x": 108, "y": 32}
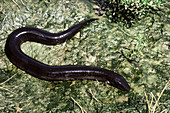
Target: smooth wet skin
{"x": 56, "y": 73}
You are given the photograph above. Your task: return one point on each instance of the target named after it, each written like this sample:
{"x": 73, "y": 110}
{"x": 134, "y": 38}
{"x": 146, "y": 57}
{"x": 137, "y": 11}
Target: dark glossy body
{"x": 53, "y": 73}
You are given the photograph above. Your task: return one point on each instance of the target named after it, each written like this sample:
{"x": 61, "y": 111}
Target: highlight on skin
{"x": 56, "y": 73}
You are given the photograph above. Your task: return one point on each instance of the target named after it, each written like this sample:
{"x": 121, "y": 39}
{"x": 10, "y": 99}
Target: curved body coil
{"x": 56, "y": 73}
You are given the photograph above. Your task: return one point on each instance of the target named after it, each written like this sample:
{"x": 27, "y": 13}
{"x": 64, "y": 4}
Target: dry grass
{"x": 146, "y": 44}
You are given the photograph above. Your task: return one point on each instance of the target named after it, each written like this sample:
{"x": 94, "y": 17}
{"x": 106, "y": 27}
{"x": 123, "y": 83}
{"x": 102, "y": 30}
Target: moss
{"x": 100, "y": 44}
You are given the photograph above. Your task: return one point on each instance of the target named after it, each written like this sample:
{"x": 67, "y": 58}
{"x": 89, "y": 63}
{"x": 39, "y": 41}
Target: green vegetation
{"x": 127, "y": 12}
{"x": 140, "y": 53}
